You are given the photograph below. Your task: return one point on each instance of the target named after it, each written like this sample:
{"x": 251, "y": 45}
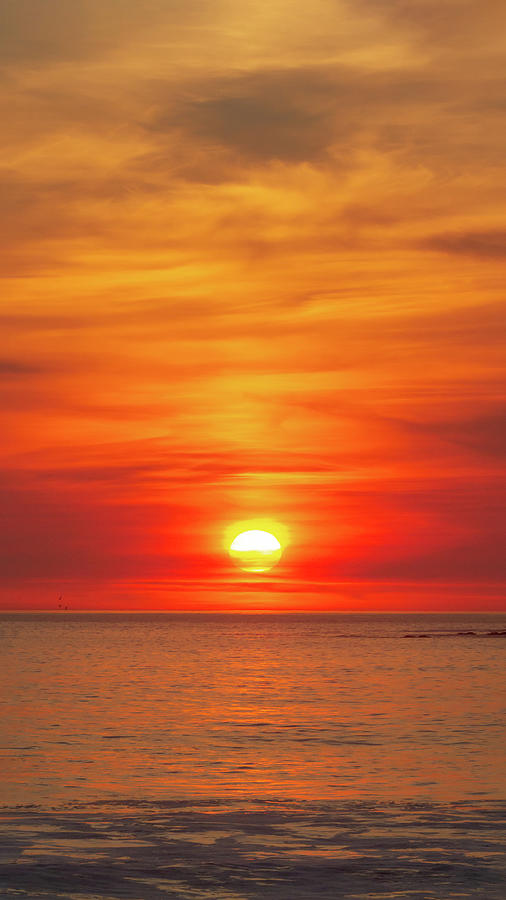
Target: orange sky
{"x": 253, "y": 266}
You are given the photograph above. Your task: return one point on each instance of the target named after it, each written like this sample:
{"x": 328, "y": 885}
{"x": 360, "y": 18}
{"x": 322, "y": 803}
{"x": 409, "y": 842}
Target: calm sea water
{"x": 161, "y": 706}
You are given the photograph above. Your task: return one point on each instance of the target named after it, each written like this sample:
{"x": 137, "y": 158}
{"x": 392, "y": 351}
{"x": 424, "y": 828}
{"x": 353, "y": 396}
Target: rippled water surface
{"x": 104, "y": 706}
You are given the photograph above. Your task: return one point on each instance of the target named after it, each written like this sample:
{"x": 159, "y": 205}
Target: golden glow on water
{"x": 161, "y": 705}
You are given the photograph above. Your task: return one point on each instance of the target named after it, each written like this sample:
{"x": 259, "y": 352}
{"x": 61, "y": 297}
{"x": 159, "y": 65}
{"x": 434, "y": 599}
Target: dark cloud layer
{"x": 483, "y": 244}
{"x": 289, "y": 115}
{"x": 51, "y": 31}
{"x": 17, "y": 367}
{"x": 424, "y": 116}
{"x": 450, "y": 25}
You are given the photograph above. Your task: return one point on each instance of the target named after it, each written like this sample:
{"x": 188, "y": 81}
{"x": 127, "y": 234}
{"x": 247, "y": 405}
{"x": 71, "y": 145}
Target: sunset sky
{"x": 253, "y": 262}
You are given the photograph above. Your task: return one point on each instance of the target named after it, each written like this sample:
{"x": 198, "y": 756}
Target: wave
{"x": 440, "y": 634}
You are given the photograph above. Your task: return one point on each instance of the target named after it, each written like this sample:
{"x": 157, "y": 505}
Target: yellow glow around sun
{"x": 255, "y": 550}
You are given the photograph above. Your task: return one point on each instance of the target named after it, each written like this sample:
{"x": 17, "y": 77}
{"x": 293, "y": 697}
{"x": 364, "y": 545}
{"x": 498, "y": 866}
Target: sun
{"x": 255, "y": 550}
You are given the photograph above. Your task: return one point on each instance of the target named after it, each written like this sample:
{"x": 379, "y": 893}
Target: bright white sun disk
{"x": 255, "y": 550}
{"x": 261, "y": 541}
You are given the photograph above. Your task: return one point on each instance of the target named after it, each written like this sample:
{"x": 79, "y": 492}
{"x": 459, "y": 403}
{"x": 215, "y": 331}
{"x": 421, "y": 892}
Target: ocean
{"x": 320, "y": 740}
{"x": 160, "y": 705}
